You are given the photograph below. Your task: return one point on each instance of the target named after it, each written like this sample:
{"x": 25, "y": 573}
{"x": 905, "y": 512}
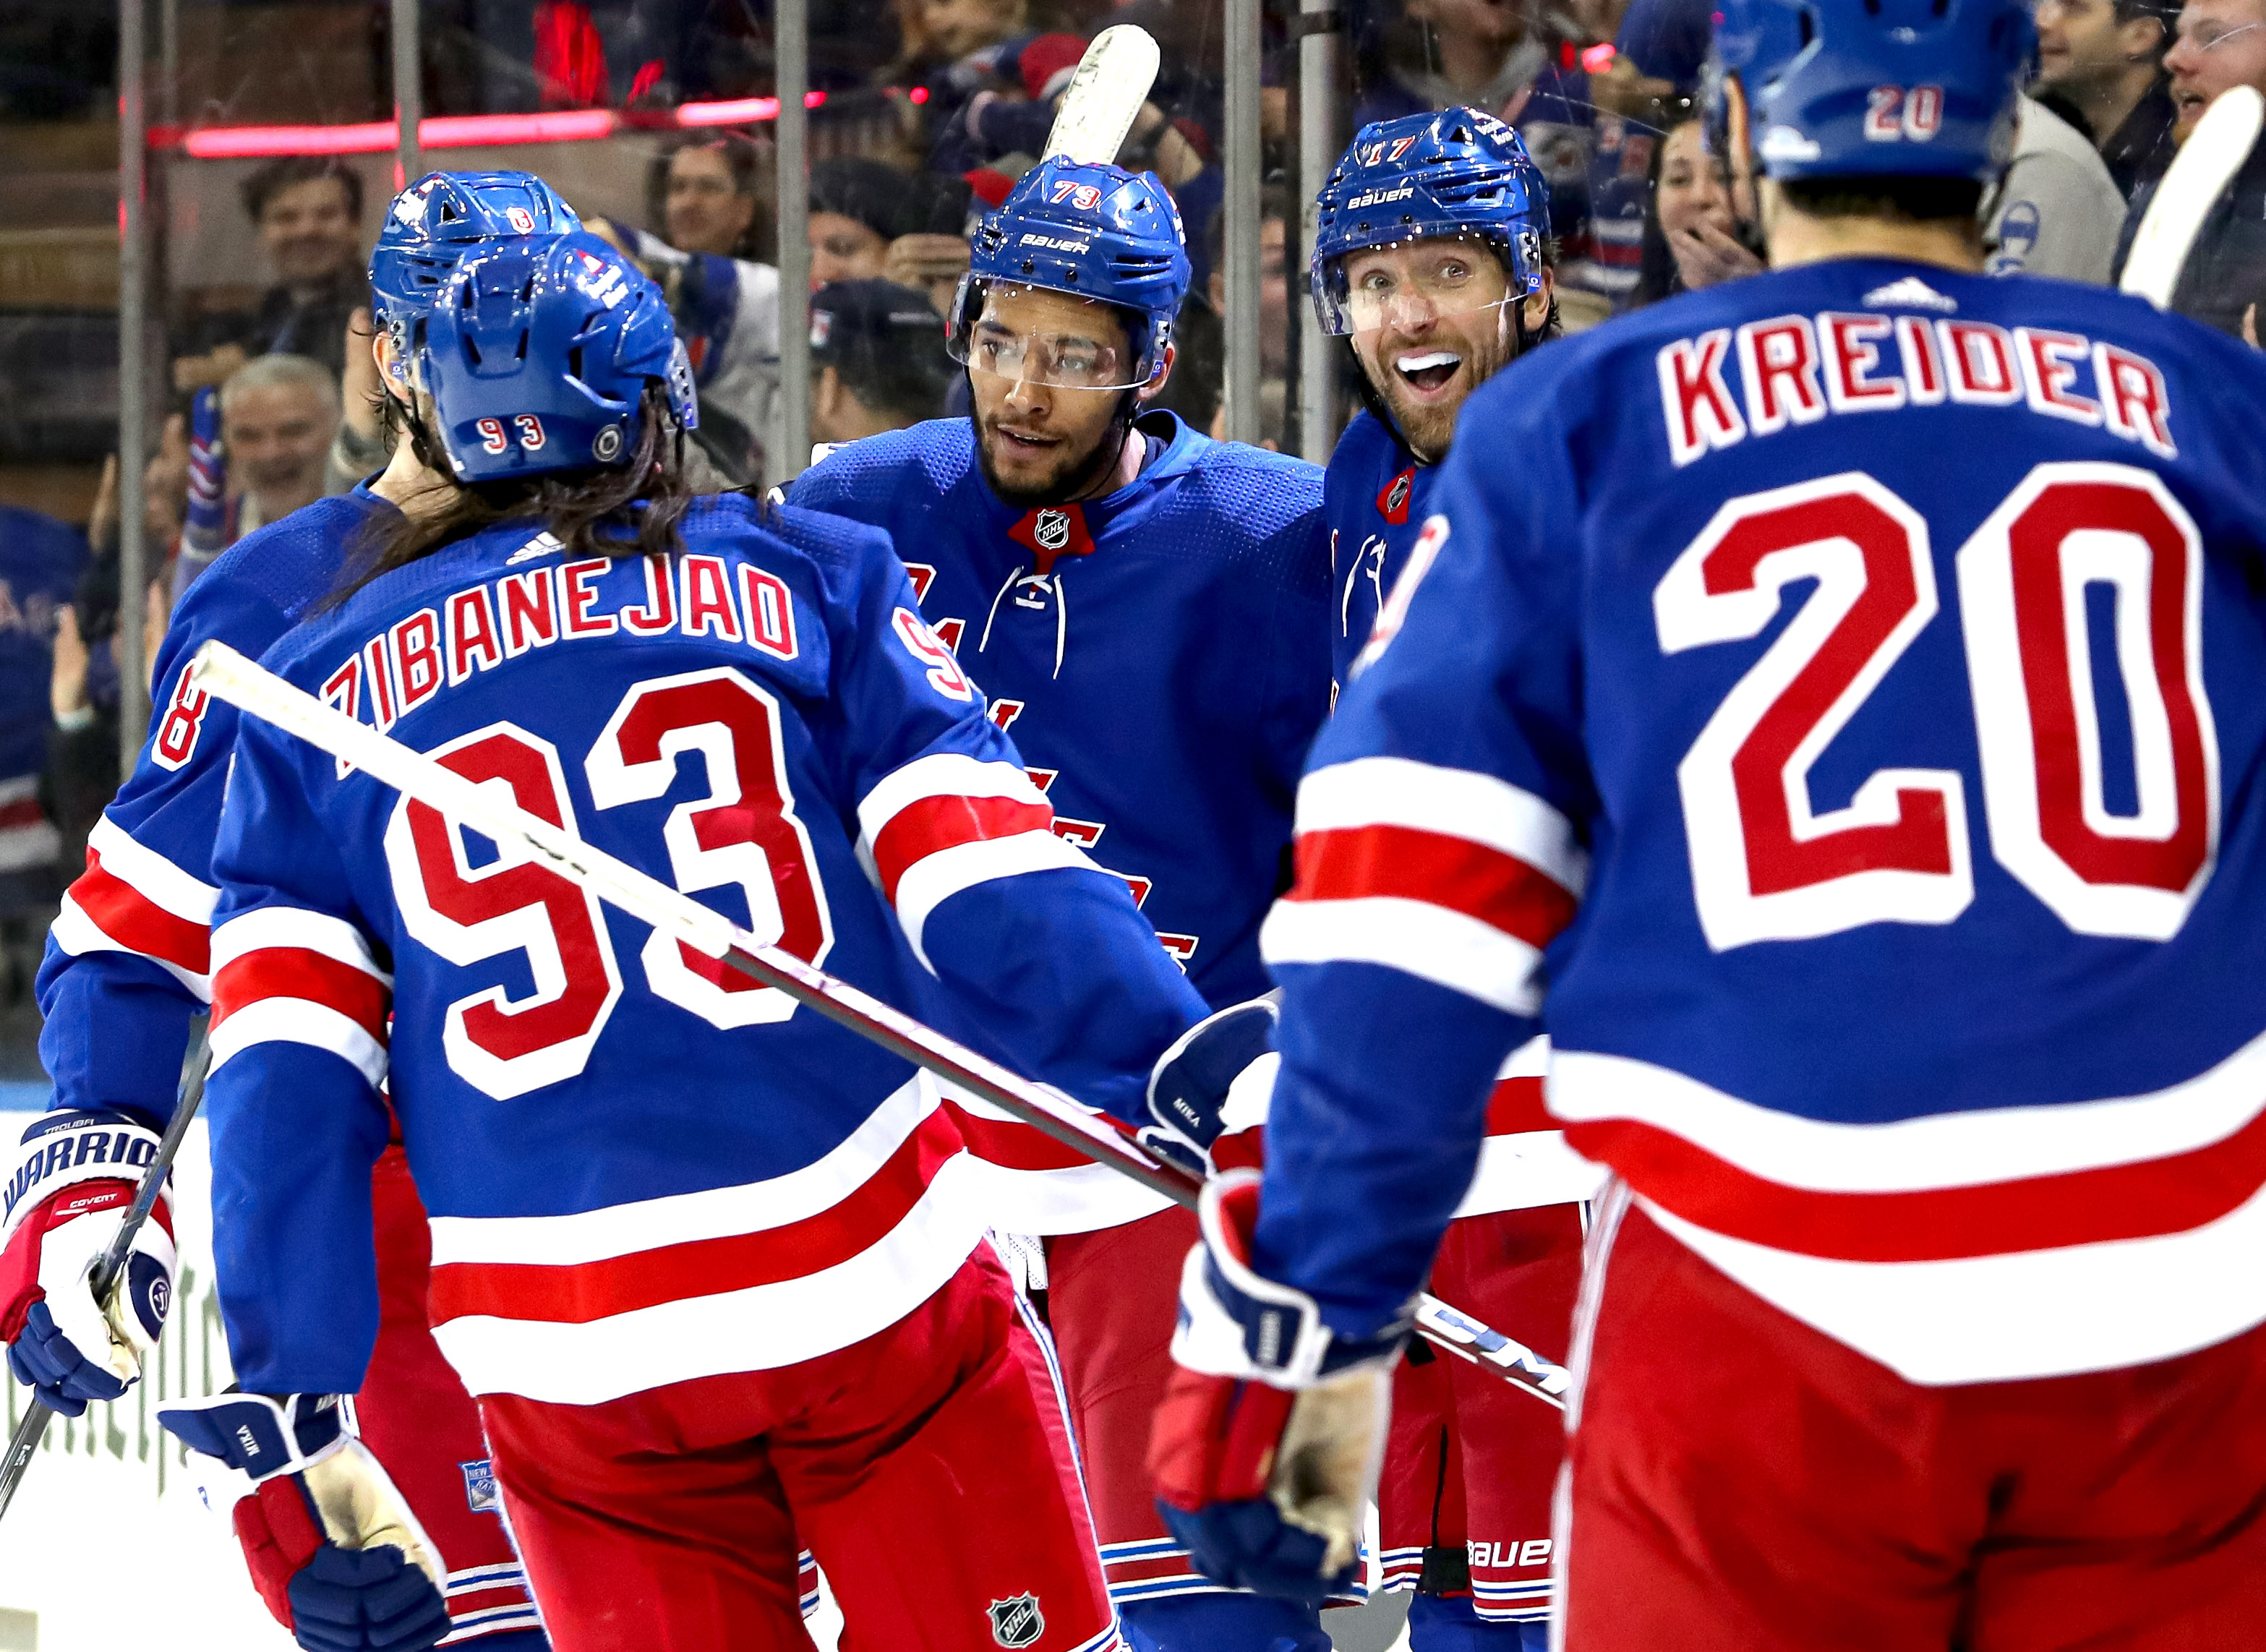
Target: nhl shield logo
{"x": 1016, "y": 1621}
{"x": 1052, "y": 531}
{"x": 1393, "y": 503}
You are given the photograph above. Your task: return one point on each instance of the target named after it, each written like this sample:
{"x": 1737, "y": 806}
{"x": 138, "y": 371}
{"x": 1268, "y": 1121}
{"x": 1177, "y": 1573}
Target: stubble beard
{"x": 1069, "y": 478}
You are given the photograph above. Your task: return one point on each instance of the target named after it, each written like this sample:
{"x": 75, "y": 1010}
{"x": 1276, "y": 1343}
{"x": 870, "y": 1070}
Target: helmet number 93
{"x": 526, "y": 426}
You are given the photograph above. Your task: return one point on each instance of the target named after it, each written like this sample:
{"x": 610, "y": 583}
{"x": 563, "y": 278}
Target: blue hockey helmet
{"x": 1446, "y": 175}
{"x": 1097, "y": 232}
{"x": 443, "y": 215}
{"x": 538, "y": 353}
{"x": 1875, "y": 88}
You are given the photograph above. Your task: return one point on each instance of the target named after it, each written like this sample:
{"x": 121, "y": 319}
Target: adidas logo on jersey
{"x": 1910, "y": 293}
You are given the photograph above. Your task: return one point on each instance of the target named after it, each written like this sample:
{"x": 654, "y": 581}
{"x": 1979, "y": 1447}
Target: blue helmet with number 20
{"x": 538, "y": 355}
{"x": 1444, "y": 175}
{"x": 1875, "y": 88}
{"x": 441, "y": 217}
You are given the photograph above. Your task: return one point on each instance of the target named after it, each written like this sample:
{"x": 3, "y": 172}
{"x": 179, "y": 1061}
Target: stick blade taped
{"x": 1110, "y": 85}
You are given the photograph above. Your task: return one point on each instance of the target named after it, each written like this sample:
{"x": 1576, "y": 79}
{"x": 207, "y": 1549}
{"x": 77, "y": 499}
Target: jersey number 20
{"x": 1767, "y": 865}
{"x": 742, "y": 834}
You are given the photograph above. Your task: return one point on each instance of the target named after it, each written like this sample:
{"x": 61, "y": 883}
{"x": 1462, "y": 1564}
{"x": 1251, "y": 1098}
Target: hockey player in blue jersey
{"x": 1145, "y": 608}
{"x": 1431, "y": 260}
{"x": 129, "y": 965}
{"x": 713, "y": 1265}
{"x": 1828, "y": 706}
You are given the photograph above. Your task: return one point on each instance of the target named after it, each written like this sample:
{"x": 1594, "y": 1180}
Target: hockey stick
{"x": 223, "y": 671}
{"x": 2192, "y": 185}
{"x": 1111, "y": 83}
{"x": 34, "y": 1428}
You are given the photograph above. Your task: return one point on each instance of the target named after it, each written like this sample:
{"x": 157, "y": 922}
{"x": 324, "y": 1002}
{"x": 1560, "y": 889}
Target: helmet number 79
{"x": 1085, "y": 197}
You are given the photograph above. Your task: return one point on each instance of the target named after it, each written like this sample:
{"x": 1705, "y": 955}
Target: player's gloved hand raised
{"x": 333, "y": 1548}
{"x": 1208, "y": 1093}
{"x": 1265, "y": 1451}
{"x": 69, "y": 1181}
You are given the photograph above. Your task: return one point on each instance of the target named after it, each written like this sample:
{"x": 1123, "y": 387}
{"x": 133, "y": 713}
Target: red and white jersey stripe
{"x": 1455, "y": 877}
{"x": 948, "y": 821}
{"x": 1524, "y": 1161}
{"x": 281, "y": 975}
{"x": 132, "y": 899}
{"x": 940, "y": 824}
{"x": 1952, "y": 1247}
{"x": 587, "y": 1307}
{"x": 1030, "y": 1183}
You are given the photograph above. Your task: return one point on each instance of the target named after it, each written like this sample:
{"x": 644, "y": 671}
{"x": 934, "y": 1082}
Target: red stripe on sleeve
{"x": 1514, "y": 1106}
{"x": 1455, "y": 873}
{"x": 294, "y": 972}
{"x": 135, "y": 921}
{"x": 577, "y": 1293}
{"x": 2082, "y": 1207}
{"x": 930, "y": 824}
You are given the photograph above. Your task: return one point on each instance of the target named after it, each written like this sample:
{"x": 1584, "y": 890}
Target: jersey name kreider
{"x": 1796, "y": 369}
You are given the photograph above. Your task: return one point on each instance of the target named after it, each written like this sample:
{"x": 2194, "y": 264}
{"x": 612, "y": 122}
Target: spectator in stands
{"x": 710, "y": 199}
{"x": 870, "y": 222}
{"x": 308, "y": 212}
{"x": 2220, "y": 43}
{"x": 83, "y": 685}
{"x": 2103, "y": 61}
{"x": 1482, "y": 53}
{"x": 726, "y": 302}
{"x": 2058, "y": 210}
{"x": 40, "y": 561}
{"x": 278, "y": 415}
{"x": 877, "y": 360}
{"x": 1275, "y": 213}
{"x": 1694, "y": 237}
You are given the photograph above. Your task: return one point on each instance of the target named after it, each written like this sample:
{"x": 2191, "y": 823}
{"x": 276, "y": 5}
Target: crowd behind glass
{"x": 930, "y": 110}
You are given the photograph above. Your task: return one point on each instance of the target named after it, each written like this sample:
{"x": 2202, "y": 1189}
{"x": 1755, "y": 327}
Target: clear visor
{"x": 1412, "y": 285}
{"x": 1040, "y": 336}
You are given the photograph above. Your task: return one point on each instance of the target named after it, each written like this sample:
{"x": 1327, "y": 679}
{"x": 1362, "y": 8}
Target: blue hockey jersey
{"x": 1158, "y": 655}
{"x": 1839, "y": 731}
{"x": 1376, "y": 498}
{"x": 127, "y": 960}
{"x": 641, "y": 1168}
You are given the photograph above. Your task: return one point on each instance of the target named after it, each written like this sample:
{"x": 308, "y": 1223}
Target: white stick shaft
{"x": 222, "y": 671}
{"x": 2191, "y": 188}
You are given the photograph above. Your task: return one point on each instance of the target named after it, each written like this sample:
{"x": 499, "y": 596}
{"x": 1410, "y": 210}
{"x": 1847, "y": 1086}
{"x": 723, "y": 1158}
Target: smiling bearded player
{"x": 1429, "y": 260}
{"x": 1145, "y": 607}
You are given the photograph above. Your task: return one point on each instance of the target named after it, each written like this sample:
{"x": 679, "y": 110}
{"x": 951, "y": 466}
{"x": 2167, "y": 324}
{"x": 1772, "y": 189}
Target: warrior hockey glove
{"x": 1266, "y": 1449}
{"x": 1208, "y": 1093}
{"x": 333, "y": 1547}
{"x": 73, "y": 1176}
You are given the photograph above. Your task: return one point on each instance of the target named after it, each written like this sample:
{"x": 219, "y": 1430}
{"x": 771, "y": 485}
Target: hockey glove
{"x": 333, "y": 1548}
{"x": 72, "y": 1178}
{"x": 1266, "y": 1449}
{"x": 1208, "y": 1093}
